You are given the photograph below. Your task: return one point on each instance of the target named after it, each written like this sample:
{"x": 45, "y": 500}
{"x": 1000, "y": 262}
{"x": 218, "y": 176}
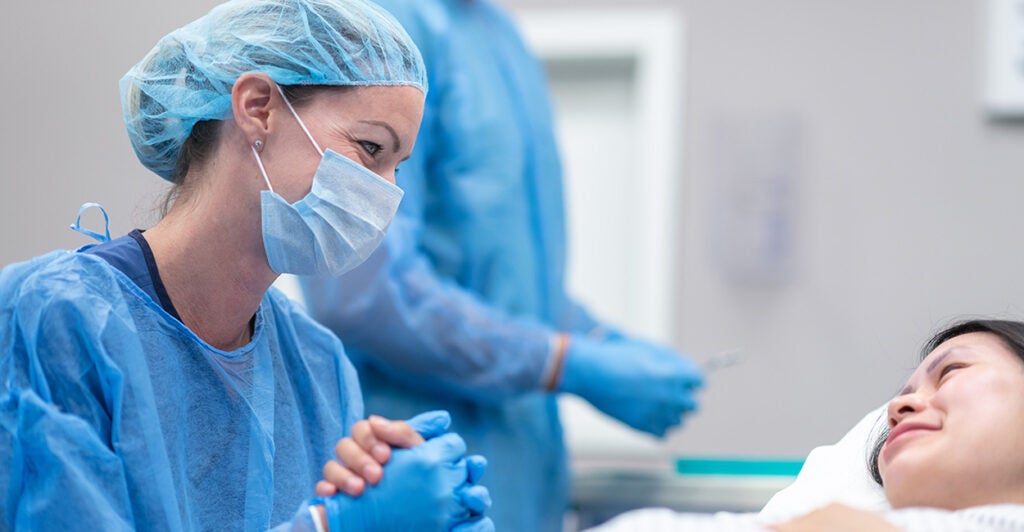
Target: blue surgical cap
{"x": 188, "y": 76}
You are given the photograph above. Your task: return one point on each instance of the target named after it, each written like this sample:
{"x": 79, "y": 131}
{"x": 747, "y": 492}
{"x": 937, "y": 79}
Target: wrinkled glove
{"x": 435, "y": 423}
{"x": 644, "y": 385}
{"x": 432, "y": 486}
{"x": 430, "y": 424}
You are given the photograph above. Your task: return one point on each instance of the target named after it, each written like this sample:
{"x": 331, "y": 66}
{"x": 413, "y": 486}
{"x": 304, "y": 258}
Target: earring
{"x": 258, "y": 145}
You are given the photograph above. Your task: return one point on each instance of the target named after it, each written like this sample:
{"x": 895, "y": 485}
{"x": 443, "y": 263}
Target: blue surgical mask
{"x": 333, "y": 228}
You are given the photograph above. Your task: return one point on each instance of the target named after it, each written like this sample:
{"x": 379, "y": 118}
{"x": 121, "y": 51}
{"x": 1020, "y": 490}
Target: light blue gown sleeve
{"x": 60, "y": 476}
{"x": 57, "y": 470}
{"x": 395, "y": 305}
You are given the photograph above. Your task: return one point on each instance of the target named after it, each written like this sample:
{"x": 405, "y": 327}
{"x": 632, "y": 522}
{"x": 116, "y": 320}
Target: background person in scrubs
{"x": 155, "y": 381}
{"x": 464, "y": 305}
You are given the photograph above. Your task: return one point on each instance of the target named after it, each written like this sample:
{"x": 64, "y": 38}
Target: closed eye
{"x": 949, "y": 368}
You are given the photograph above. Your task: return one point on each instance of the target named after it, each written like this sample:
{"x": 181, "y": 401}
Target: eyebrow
{"x": 939, "y": 359}
{"x": 932, "y": 365}
{"x": 385, "y": 125}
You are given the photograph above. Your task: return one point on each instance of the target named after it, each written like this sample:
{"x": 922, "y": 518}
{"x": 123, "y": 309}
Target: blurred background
{"x": 814, "y": 185}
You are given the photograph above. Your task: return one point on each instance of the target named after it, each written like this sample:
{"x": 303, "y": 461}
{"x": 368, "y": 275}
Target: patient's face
{"x": 957, "y": 430}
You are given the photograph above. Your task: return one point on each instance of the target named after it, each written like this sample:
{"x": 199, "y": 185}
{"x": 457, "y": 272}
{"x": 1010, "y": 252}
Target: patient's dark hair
{"x": 1010, "y": 332}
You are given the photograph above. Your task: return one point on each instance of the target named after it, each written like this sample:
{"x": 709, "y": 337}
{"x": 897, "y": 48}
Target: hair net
{"x": 188, "y": 76}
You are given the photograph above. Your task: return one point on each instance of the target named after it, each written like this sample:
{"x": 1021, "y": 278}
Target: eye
{"x": 371, "y": 147}
{"x": 949, "y": 368}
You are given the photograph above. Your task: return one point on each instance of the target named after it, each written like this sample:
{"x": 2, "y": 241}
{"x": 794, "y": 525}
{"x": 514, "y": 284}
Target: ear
{"x": 251, "y": 100}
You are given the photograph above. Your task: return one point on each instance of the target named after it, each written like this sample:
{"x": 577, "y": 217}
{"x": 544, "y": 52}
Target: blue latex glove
{"x": 430, "y": 424}
{"x": 480, "y": 524}
{"x": 434, "y": 423}
{"x": 644, "y": 385}
{"x": 431, "y": 486}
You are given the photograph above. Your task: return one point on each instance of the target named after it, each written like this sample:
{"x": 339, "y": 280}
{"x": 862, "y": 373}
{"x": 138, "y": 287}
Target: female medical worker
{"x": 153, "y": 381}
{"x": 470, "y": 277}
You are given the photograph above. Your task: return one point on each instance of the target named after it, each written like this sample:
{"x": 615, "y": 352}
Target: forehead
{"x": 398, "y": 99}
{"x": 398, "y": 108}
{"x": 983, "y": 345}
{"x": 968, "y": 347}
{"x": 980, "y": 341}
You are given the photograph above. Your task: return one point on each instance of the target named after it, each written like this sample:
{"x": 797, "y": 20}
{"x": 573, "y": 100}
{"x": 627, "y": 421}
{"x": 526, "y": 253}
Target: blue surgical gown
{"x": 115, "y": 416}
{"x": 458, "y": 306}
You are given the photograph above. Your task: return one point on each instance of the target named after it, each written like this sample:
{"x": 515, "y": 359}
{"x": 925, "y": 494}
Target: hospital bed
{"x": 696, "y": 485}
{"x": 830, "y": 473}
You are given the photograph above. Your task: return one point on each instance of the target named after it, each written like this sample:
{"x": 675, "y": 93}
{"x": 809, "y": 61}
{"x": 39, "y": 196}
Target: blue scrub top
{"x": 132, "y": 255}
{"x": 115, "y": 416}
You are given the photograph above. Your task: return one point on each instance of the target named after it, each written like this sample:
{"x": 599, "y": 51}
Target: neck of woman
{"x": 211, "y": 260}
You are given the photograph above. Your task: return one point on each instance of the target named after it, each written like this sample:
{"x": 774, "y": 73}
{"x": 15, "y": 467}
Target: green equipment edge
{"x": 739, "y": 466}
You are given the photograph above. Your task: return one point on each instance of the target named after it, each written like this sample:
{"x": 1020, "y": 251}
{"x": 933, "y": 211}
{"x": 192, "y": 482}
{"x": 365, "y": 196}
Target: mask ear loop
{"x": 259, "y": 162}
{"x": 299, "y": 120}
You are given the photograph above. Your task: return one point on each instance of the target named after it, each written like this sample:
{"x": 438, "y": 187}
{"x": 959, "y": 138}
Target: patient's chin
{"x": 899, "y": 498}
{"x": 924, "y": 488}
{"x": 908, "y": 484}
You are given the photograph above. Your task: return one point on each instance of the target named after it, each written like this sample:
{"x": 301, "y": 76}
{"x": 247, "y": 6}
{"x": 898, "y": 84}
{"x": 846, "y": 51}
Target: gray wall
{"x": 906, "y": 194}
{"x": 907, "y": 203}
{"x": 62, "y": 141}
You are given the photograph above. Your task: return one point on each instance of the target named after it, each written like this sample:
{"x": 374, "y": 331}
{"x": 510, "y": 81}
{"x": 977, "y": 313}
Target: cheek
{"x": 994, "y": 423}
{"x": 352, "y": 152}
{"x": 990, "y": 404}
{"x": 292, "y": 176}
{"x": 984, "y": 419}
{"x": 301, "y": 180}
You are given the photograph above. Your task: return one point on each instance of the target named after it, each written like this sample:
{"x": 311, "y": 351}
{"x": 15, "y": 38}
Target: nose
{"x": 904, "y": 405}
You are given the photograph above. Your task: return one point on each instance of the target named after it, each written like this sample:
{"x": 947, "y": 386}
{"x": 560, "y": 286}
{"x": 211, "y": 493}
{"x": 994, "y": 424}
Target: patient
{"x": 958, "y": 422}
{"x": 951, "y": 459}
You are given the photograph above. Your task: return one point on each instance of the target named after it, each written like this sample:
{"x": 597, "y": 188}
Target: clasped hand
{"x": 419, "y": 478}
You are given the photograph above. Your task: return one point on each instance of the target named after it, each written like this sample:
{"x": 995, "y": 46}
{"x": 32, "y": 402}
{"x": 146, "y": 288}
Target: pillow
{"x": 831, "y": 473}
{"x": 834, "y": 473}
